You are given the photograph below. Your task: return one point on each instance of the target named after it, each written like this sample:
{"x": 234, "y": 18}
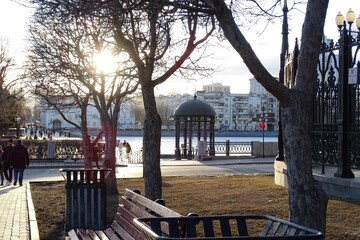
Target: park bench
{"x": 131, "y": 206}
{"x": 225, "y": 227}
{"x": 140, "y": 218}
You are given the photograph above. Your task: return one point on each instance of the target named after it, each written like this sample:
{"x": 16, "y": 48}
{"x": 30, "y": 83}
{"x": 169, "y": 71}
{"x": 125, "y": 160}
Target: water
{"x": 168, "y": 143}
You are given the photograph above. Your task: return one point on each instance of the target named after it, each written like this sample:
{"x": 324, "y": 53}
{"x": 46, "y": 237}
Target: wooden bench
{"x": 131, "y": 206}
{"x": 225, "y": 227}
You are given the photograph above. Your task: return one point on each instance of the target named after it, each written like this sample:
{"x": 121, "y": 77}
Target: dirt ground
{"x": 227, "y": 195}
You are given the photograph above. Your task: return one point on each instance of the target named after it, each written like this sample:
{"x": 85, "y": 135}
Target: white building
{"x": 52, "y": 119}
{"x": 235, "y": 112}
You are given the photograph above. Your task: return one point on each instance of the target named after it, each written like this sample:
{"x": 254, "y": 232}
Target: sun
{"x": 105, "y": 62}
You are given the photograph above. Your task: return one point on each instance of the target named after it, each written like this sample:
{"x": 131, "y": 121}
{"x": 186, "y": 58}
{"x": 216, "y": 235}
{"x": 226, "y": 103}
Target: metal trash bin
{"x": 223, "y": 227}
{"x": 85, "y": 205}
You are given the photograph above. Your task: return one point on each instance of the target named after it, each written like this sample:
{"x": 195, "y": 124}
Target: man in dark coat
{"x": 19, "y": 161}
{"x": 6, "y": 158}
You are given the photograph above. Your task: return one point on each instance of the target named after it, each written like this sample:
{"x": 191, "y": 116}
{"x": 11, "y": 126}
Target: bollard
{"x": 51, "y": 150}
{"x": 227, "y": 148}
{"x": 85, "y": 205}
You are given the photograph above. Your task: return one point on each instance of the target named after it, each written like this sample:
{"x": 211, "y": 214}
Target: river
{"x": 168, "y": 143}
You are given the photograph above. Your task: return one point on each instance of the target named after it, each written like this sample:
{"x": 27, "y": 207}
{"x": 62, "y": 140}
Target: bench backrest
{"x": 227, "y": 227}
{"x": 131, "y": 206}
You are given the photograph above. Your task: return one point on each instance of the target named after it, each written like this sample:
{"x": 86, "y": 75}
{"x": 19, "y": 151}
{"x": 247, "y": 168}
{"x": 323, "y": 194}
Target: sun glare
{"x": 105, "y": 62}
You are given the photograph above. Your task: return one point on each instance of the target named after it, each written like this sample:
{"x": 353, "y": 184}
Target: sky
{"x": 230, "y": 68}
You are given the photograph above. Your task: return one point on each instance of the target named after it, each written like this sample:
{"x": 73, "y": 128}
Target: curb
{"x": 33, "y": 226}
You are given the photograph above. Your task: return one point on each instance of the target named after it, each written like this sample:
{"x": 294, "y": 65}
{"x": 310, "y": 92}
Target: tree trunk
{"x": 307, "y": 199}
{"x": 151, "y": 146}
{"x": 87, "y": 148}
{"x": 110, "y": 158}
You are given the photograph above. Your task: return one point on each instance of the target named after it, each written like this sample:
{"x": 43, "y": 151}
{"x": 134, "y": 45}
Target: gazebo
{"x": 194, "y": 117}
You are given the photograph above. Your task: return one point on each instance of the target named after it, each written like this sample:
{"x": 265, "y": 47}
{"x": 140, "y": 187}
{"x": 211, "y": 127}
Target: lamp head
{"x": 350, "y": 16}
{"x": 357, "y": 22}
{"x": 339, "y": 20}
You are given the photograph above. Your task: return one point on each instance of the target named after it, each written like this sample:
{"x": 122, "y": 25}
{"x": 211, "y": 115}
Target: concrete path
{"x": 14, "y": 213}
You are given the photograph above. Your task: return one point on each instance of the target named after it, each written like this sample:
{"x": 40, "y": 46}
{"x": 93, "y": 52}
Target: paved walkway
{"x": 14, "y": 214}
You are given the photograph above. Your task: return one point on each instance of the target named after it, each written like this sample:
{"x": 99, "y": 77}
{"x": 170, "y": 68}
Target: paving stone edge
{"x": 33, "y": 227}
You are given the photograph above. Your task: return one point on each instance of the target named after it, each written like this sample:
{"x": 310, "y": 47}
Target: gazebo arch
{"x": 193, "y": 117}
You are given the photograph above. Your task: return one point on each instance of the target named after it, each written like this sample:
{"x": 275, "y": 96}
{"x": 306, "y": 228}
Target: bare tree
{"x": 145, "y": 30}
{"x": 66, "y": 38}
{"x": 11, "y": 97}
{"x": 165, "y": 112}
{"x": 307, "y": 200}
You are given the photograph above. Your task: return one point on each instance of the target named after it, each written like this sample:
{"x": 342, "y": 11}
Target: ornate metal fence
{"x": 64, "y": 149}
{"x": 336, "y": 110}
{"x": 233, "y": 148}
{"x": 123, "y": 158}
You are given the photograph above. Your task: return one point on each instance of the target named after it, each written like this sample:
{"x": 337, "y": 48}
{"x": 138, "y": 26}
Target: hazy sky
{"x": 232, "y": 71}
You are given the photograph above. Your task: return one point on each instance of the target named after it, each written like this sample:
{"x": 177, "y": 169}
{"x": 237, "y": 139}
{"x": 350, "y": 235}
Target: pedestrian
{"x": 19, "y": 160}
{"x": 6, "y": 158}
{"x": 1, "y": 166}
{"x": 126, "y": 146}
{"x": 96, "y": 152}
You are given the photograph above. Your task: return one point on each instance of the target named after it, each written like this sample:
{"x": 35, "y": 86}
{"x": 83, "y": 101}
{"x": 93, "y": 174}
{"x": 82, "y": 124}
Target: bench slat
{"x": 121, "y": 232}
{"x": 110, "y": 234}
{"x": 101, "y": 235}
{"x": 266, "y": 228}
{"x": 132, "y": 211}
{"x": 129, "y": 226}
{"x": 242, "y": 227}
{"x": 83, "y": 234}
{"x": 92, "y": 234}
{"x": 72, "y": 234}
{"x": 155, "y": 207}
{"x": 284, "y": 229}
{"x": 275, "y": 228}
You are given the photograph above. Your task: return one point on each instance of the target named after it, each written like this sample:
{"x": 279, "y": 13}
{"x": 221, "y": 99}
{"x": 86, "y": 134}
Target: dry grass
{"x": 205, "y": 196}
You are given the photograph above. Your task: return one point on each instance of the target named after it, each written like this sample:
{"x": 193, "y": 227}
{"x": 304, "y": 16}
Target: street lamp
{"x": 17, "y": 122}
{"x": 284, "y": 50}
{"x": 345, "y": 92}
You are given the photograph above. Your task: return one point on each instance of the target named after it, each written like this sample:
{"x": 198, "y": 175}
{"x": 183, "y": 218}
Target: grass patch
{"x": 222, "y": 195}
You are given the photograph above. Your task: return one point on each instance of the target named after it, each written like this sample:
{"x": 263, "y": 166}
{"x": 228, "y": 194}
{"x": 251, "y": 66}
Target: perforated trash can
{"x": 85, "y": 205}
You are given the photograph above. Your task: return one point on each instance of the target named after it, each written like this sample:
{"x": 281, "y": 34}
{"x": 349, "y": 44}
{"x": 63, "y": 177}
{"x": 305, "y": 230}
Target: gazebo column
{"x": 184, "y": 153}
{"x": 199, "y": 131}
{"x": 205, "y": 129}
{"x": 177, "y": 140}
{"x": 190, "y": 141}
{"x": 212, "y": 139}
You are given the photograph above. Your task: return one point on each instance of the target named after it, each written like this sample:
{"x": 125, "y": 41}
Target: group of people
{"x": 13, "y": 158}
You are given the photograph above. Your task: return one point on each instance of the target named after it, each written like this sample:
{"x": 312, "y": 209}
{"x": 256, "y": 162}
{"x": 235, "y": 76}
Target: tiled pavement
{"x": 14, "y": 215}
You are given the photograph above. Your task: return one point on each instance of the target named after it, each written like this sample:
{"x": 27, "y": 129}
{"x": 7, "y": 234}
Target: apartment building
{"x": 235, "y": 111}
{"x": 241, "y": 112}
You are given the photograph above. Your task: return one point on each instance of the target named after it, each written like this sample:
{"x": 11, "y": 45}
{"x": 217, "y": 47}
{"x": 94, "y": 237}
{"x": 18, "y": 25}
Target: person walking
{"x": 1, "y": 165}
{"x": 19, "y": 160}
{"x": 6, "y": 158}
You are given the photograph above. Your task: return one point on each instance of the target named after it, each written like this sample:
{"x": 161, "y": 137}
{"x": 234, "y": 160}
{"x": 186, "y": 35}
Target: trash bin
{"x": 85, "y": 205}
{"x": 223, "y": 227}
{"x": 201, "y": 149}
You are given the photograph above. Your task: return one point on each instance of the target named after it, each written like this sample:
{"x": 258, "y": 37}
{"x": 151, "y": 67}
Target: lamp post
{"x": 17, "y": 122}
{"x": 262, "y": 127}
{"x": 284, "y": 50}
{"x": 345, "y": 92}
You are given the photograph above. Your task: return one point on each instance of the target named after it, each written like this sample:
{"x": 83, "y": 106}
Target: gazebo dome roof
{"x": 194, "y": 107}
